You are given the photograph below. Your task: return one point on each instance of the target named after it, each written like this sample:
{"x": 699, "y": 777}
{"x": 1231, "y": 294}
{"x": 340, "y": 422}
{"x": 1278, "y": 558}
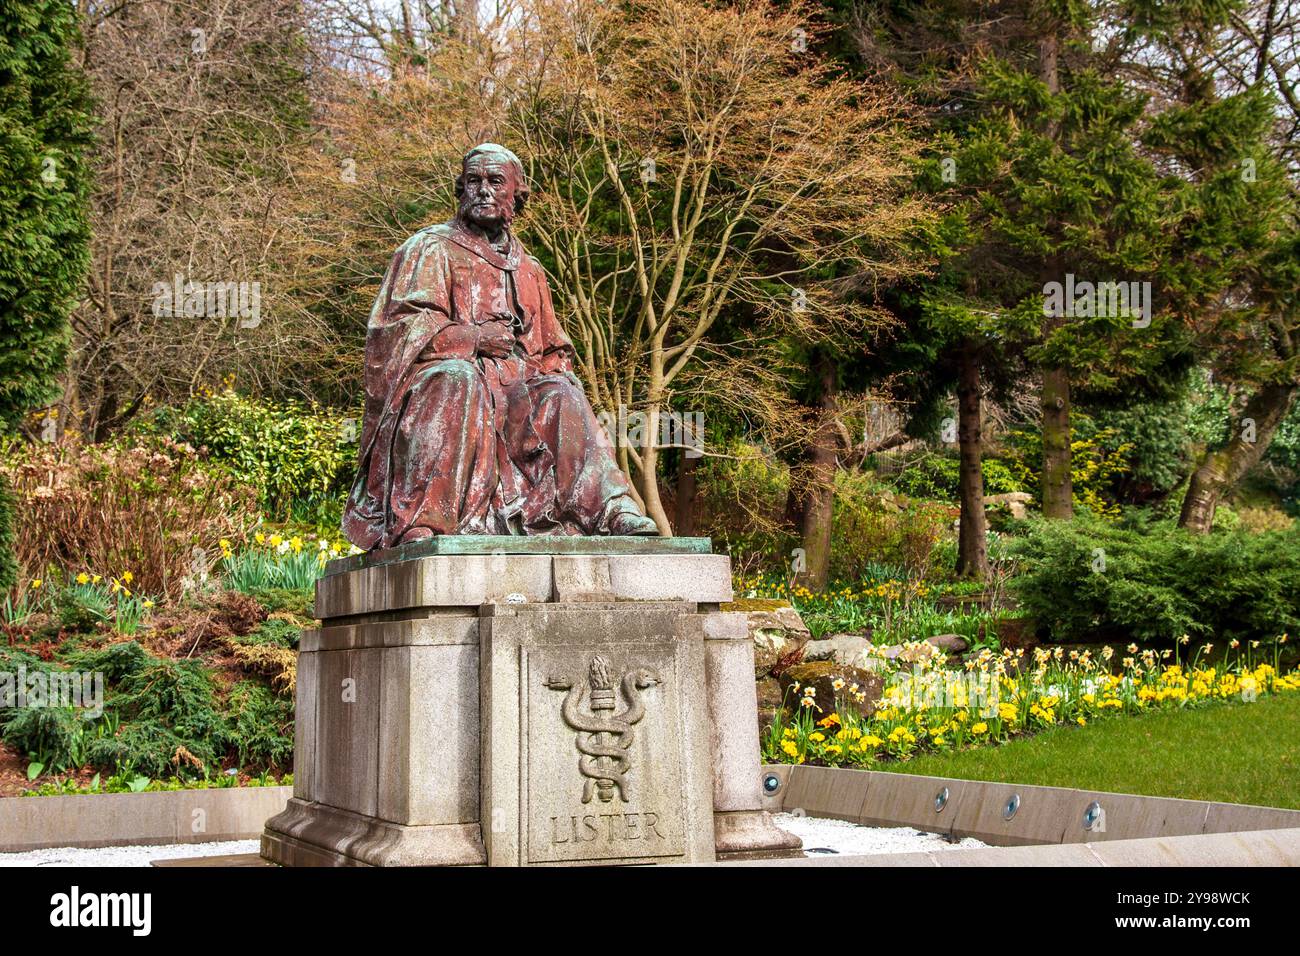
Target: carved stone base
{"x": 752, "y": 835}
{"x": 582, "y": 703}
{"x": 562, "y": 683}
{"x": 312, "y": 834}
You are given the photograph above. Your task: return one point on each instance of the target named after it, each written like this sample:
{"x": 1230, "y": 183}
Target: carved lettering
{"x": 618, "y": 828}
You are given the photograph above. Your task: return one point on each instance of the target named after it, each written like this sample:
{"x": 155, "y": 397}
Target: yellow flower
{"x": 128, "y": 577}
{"x": 95, "y": 579}
{"x": 790, "y": 748}
{"x": 816, "y": 738}
{"x": 83, "y": 578}
{"x": 259, "y": 538}
{"x": 979, "y": 728}
{"x": 147, "y": 603}
{"x": 36, "y": 583}
{"x": 1082, "y": 721}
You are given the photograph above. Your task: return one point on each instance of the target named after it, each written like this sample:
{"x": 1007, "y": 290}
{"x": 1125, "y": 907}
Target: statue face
{"x": 488, "y": 196}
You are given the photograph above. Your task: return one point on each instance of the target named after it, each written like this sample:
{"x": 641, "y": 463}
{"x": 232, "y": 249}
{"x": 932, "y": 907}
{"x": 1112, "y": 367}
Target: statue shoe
{"x": 631, "y": 523}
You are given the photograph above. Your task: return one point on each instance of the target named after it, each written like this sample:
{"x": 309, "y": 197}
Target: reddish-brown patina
{"x": 474, "y": 420}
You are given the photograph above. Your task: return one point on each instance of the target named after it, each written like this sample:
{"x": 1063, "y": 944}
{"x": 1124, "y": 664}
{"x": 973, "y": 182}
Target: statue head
{"x": 490, "y": 189}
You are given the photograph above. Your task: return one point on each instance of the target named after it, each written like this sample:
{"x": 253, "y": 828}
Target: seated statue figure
{"x": 474, "y": 420}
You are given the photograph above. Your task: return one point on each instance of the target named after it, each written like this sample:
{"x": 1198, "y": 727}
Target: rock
{"x": 952, "y": 643}
{"x": 1017, "y": 502}
{"x": 843, "y": 649}
{"x": 821, "y": 676}
{"x": 768, "y": 690}
{"x": 776, "y": 628}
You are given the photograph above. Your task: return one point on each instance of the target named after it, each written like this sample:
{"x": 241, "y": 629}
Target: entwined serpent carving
{"x": 608, "y": 736}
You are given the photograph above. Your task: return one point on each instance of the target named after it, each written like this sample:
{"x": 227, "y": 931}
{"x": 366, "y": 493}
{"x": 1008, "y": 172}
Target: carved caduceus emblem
{"x": 604, "y": 736}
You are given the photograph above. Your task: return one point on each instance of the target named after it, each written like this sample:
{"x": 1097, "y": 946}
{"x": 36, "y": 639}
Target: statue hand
{"x": 496, "y": 340}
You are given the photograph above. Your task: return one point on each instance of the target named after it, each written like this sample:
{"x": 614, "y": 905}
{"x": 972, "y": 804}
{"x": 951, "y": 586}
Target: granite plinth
{"x": 532, "y": 708}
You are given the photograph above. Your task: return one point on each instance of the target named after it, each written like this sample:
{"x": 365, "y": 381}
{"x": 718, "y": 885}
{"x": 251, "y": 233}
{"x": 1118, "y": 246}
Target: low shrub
{"x": 262, "y": 725}
{"x": 1089, "y": 580}
{"x": 871, "y": 528}
{"x": 141, "y": 515}
{"x": 937, "y": 477}
{"x": 300, "y": 457}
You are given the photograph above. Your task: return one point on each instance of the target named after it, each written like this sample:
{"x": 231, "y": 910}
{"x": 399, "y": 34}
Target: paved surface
{"x": 851, "y": 839}
{"x": 123, "y": 855}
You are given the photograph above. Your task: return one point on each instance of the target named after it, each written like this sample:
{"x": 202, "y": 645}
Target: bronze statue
{"x": 474, "y": 421}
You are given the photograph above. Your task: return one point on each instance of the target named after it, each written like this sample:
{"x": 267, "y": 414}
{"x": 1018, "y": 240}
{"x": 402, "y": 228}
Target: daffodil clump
{"x": 109, "y": 599}
{"x": 929, "y": 706}
{"x": 276, "y": 561}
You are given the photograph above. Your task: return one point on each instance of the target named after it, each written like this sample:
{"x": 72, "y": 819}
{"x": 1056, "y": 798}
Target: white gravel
{"x": 852, "y": 839}
{"x": 123, "y": 855}
{"x": 846, "y": 839}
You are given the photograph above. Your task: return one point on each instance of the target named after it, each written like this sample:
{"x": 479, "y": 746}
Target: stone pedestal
{"x": 517, "y": 701}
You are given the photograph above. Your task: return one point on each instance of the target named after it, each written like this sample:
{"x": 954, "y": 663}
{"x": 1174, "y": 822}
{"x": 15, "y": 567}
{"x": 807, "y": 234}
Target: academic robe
{"x": 455, "y": 442}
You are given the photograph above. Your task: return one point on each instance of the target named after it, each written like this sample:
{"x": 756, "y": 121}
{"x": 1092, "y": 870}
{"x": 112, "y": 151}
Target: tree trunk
{"x": 1221, "y": 470}
{"x": 794, "y": 504}
{"x": 972, "y": 537}
{"x": 686, "y": 493}
{"x": 654, "y": 505}
{"x": 819, "y": 497}
{"x": 1058, "y": 486}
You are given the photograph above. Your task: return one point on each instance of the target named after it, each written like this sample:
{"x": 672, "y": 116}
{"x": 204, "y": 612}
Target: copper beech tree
{"x": 689, "y": 162}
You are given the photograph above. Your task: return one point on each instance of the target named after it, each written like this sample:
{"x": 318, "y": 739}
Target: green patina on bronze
{"x": 475, "y": 423}
{"x": 517, "y": 544}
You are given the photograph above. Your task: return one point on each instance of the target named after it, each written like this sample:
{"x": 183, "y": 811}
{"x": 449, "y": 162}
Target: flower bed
{"x": 936, "y": 708}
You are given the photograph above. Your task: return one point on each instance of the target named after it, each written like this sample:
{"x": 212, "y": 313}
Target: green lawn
{"x": 1239, "y": 753}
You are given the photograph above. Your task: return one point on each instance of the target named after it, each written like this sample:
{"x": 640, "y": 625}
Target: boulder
{"x": 768, "y": 690}
{"x": 776, "y": 629}
{"x": 844, "y": 649}
{"x": 821, "y": 676}
{"x": 951, "y": 643}
{"x": 1017, "y": 502}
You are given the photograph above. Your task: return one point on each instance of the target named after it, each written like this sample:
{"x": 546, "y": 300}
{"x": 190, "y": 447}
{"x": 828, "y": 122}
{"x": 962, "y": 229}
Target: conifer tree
{"x": 45, "y": 128}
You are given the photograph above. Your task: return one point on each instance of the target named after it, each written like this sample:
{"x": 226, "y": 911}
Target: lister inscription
{"x": 612, "y": 827}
